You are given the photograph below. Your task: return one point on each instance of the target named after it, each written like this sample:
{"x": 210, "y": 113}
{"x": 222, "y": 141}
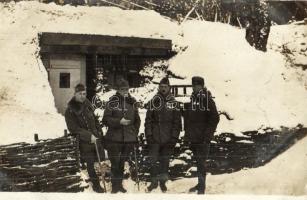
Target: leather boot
{"x": 96, "y": 187}
{"x": 194, "y": 189}
{"x": 153, "y": 185}
{"x": 121, "y": 188}
{"x": 163, "y": 186}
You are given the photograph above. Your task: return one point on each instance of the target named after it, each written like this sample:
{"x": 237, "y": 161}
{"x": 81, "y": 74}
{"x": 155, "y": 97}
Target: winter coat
{"x": 81, "y": 122}
{"x": 200, "y": 118}
{"x": 117, "y": 108}
{"x": 163, "y": 119}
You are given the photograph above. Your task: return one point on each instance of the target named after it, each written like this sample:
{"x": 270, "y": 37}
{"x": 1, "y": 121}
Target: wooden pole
{"x": 151, "y": 3}
{"x": 100, "y": 166}
{"x": 198, "y": 15}
{"x": 215, "y": 17}
{"x": 114, "y": 4}
{"x": 36, "y": 137}
{"x": 188, "y": 14}
{"x": 239, "y": 22}
{"x": 137, "y": 5}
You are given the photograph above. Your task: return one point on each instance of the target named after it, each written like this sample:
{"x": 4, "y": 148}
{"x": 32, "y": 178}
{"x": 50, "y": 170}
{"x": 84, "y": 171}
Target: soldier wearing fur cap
{"x": 162, "y": 128}
{"x": 122, "y": 119}
{"x": 81, "y": 122}
{"x": 200, "y": 121}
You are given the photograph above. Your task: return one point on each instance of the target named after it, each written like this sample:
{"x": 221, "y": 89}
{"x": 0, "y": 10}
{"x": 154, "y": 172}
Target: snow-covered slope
{"x": 252, "y": 86}
{"x": 291, "y": 40}
{"x": 286, "y": 175}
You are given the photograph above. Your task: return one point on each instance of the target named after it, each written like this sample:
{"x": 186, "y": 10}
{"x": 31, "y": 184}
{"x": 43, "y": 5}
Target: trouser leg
{"x": 153, "y": 161}
{"x": 200, "y": 152}
{"x": 114, "y": 151}
{"x": 125, "y": 151}
{"x": 91, "y": 170}
{"x": 165, "y": 153}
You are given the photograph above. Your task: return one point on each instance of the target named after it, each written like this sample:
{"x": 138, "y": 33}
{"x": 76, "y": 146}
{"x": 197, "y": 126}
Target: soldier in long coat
{"x": 200, "y": 121}
{"x": 162, "y": 128}
{"x": 82, "y": 123}
{"x": 123, "y": 121}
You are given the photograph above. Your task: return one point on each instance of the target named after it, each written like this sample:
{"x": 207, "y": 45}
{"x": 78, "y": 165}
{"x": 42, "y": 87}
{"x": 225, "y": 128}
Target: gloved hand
{"x": 93, "y": 139}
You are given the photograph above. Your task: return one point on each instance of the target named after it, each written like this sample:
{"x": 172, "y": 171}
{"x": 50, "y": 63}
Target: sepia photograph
{"x": 147, "y": 99}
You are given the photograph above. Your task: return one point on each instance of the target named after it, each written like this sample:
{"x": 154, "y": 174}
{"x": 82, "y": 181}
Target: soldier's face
{"x": 80, "y": 96}
{"x": 164, "y": 89}
{"x": 123, "y": 91}
{"x": 197, "y": 88}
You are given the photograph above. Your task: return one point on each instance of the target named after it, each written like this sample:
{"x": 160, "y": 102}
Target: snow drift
{"x": 250, "y": 85}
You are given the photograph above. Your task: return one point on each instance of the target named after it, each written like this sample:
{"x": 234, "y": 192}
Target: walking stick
{"x": 136, "y": 169}
{"x": 101, "y": 168}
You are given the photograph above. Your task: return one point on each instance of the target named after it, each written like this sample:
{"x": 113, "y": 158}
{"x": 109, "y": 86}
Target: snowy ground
{"x": 284, "y": 175}
{"x": 93, "y": 196}
{"x": 257, "y": 89}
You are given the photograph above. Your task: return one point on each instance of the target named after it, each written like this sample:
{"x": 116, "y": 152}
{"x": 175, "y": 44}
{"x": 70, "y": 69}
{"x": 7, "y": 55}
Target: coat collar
{"x": 117, "y": 97}
{"x": 78, "y": 107}
{"x": 201, "y": 93}
{"x": 167, "y": 98}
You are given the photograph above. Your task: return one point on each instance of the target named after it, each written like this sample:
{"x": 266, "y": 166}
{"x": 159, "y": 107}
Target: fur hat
{"x": 164, "y": 81}
{"x": 80, "y": 87}
{"x": 122, "y": 83}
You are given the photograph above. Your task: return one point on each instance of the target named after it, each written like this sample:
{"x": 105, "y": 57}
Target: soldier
{"x": 200, "y": 121}
{"x": 81, "y": 122}
{"x": 122, "y": 119}
{"x": 162, "y": 128}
